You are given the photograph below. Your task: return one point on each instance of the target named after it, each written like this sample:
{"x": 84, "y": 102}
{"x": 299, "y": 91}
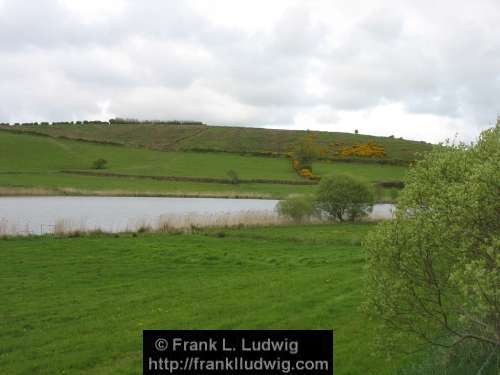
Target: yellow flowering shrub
{"x": 369, "y": 149}
{"x": 304, "y": 172}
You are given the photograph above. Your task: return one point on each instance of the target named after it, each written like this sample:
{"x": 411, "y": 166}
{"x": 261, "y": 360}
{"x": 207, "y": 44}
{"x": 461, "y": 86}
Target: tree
{"x": 306, "y": 151}
{"x": 434, "y": 271}
{"x": 99, "y": 163}
{"x": 298, "y": 208}
{"x": 233, "y": 176}
{"x": 343, "y": 196}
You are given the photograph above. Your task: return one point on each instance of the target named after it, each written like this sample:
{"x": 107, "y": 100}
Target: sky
{"x": 424, "y": 70}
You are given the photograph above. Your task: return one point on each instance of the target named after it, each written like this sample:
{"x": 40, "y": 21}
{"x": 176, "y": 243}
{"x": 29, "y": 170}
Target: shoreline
{"x": 71, "y": 192}
{"x": 213, "y": 229}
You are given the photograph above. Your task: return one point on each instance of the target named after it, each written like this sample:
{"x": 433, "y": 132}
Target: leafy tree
{"x": 298, "y": 208}
{"x": 434, "y": 271}
{"x": 343, "y": 196}
{"x": 99, "y": 163}
{"x": 233, "y": 176}
{"x": 306, "y": 151}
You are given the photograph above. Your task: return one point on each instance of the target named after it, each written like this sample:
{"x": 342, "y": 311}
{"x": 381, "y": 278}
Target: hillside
{"x": 201, "y": 137}
{"x": 28, "y": 161}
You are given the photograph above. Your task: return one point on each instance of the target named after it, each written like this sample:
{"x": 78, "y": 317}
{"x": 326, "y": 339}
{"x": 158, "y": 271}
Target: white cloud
{"x": 93, "y": 11}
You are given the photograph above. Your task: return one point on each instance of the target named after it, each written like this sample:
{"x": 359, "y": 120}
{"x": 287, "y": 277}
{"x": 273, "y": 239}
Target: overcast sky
{"x": 417, "y": 69}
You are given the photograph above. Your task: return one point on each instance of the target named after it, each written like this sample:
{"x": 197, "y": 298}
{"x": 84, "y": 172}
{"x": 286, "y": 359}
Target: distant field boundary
{"x": 40, "y": 134}
{"x": 192, "y": 179}
{"x": 384, "y": 184}
{"x": 271, "y": 154}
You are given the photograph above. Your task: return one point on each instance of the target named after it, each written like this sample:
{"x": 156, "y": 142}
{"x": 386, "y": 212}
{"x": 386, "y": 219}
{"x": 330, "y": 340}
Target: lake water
{"x": 36, "y": 215}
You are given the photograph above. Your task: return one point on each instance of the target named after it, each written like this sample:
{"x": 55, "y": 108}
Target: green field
{"x": 64, "y": 184}
{"x": 222, "y": 138}
{"x": 79, "y": 305}
{"x": 31, "y": 161}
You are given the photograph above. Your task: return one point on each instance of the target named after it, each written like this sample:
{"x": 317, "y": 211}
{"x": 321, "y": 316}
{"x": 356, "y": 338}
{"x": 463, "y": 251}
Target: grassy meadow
{"x": 30, "y": 161}
{"x": 65, "y": 184}
{"x": 80, "y": 304}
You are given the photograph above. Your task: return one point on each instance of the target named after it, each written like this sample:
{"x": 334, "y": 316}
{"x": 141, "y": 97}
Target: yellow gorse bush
{"x": 304, "y": 172}
{"x": 369, "y": 149}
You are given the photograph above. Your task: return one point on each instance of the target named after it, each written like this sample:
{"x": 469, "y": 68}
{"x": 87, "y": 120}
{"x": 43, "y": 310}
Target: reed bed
{"x": 221, "y": 220}
{"x": 188, "y": 222}
{"x": 185, "y": 223}
{"x": 168, "y": 223}
{"x": 70, "y": 227}
{"x": 7, "y": 229}
{"x": 8, "y": 191}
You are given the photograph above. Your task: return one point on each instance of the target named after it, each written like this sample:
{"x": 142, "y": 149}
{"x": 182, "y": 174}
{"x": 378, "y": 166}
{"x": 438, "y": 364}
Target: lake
{"x": 39, "y": 215}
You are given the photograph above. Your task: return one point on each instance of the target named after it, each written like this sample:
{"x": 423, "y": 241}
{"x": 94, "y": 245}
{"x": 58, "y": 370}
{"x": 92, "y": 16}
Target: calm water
{"x": 39, "y": 214}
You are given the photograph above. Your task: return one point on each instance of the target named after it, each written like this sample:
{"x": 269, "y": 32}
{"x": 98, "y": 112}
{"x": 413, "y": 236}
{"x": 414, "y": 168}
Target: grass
{"x": 79, "y": 305}
{"x": 28, "y": 161}
{"x": 365, "y": 172}
{"x": 63, "y": 184}
{"x": 36, "y": 154}
{"x": 229, "y": 139}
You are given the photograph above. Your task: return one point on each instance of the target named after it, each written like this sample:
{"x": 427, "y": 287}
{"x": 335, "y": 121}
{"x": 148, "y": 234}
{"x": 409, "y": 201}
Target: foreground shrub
{"x": 468, "y": 358}
{"x": 342, "y": 197}
{"x": 434, "y": 272}
{"x": 297, "y": 208}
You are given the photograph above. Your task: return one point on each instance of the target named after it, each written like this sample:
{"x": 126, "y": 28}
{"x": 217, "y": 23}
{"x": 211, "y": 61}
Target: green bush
{"x": 233, "y": 176}
{"x": 298, "y": 208}
{"x": 433, "y": 273}
{"x": 99, "y": 164}
{"x": 470, "y": 358}
{"x": 342, "y": 197}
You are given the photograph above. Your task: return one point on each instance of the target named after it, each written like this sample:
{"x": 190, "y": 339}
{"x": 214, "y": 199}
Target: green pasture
{"x": 33, "y": 161}
{"x": 79, "y": 305}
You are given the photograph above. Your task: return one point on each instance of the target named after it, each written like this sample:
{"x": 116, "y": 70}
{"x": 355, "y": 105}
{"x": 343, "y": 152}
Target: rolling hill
{"x": 200, "y": 137}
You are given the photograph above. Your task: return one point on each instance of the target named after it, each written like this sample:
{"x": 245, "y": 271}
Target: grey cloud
{"x": 382, "y": 25}
{"x": 296, "y": 33}
{"x": 165, "y": 59}
{"x": 46, "y": 24}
